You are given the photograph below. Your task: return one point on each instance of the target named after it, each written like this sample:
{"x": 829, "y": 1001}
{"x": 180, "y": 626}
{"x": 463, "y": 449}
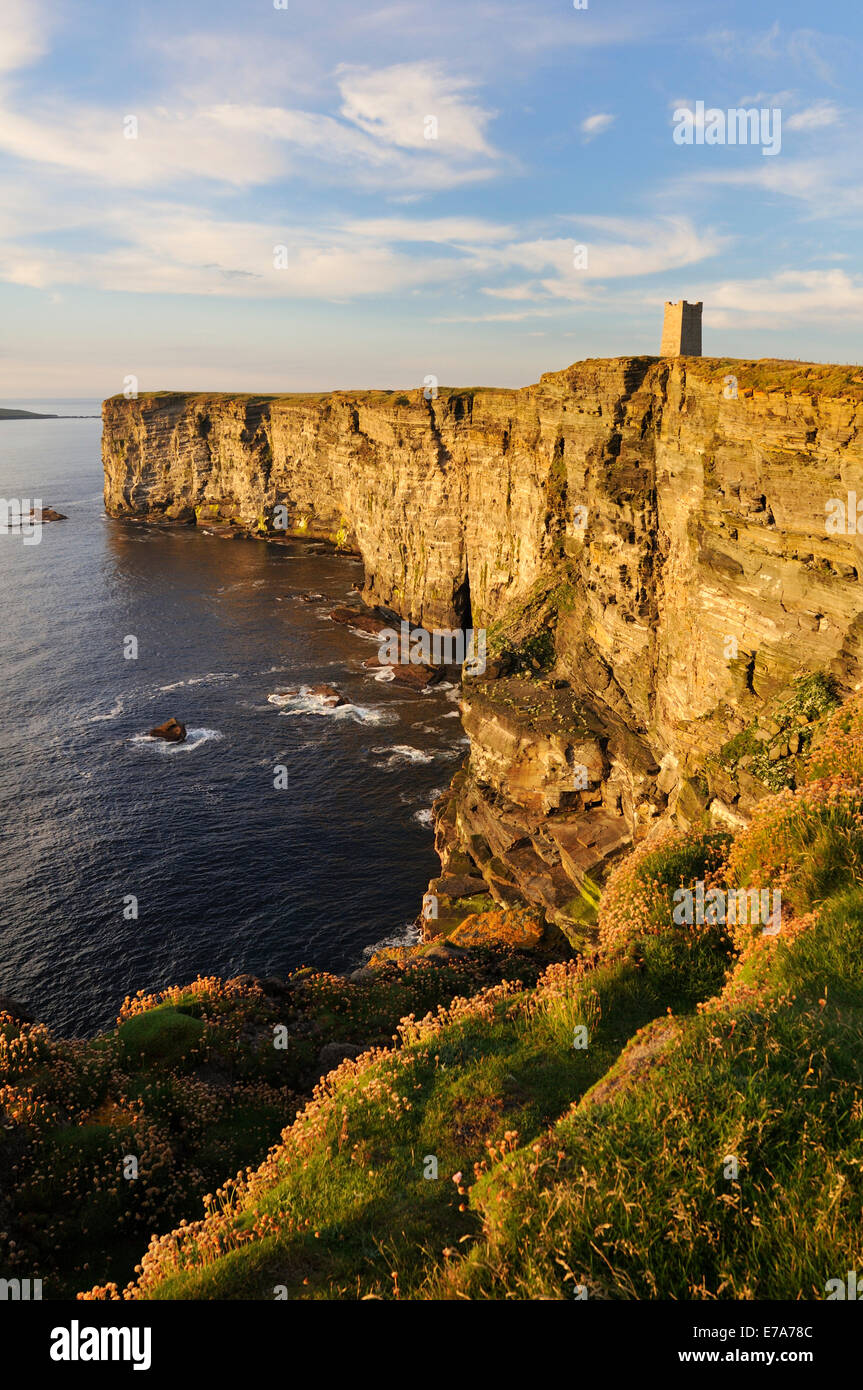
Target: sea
{"x": 283, "y": 832}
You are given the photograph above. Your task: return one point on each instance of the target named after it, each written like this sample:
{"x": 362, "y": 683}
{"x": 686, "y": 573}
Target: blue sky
{"x": 415, "y": 247}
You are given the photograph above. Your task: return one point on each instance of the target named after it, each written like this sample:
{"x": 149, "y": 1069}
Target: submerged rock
{"x": 414, "y": 675}
{"x": 352, "y": 617}
{"x": 327, "y": 694}
{"x": 47, "y": 514}
{"x": 172, "y": 731}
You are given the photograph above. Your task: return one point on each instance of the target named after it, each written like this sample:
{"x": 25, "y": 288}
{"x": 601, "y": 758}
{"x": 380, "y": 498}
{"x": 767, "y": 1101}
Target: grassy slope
{"x": 190, "y": 1085}
{"x": 604, "y": 1171}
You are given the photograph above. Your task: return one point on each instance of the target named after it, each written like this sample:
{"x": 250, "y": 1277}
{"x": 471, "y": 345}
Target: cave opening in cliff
{"x": 461, "y": 602}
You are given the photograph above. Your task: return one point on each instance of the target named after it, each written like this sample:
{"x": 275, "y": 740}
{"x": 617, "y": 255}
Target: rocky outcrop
{"x": 172, "y": 731}
{"x": 646, "y": 542}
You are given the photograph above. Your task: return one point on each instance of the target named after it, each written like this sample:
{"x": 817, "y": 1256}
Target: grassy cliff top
{"x": 776, "y": 374}
{"x": 762, "y": 374}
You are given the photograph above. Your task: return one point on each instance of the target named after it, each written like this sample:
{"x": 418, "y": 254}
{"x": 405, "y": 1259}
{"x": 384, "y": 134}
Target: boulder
{"x": 172, "y": 731}
{"x": 414, "y": 675}
{"x": 519, "y": 928}
{"x": 353, "y": 617}
{"x": 328, "y": 694}
{"x": 181, "y": 512}
{"x": 47, "y": 514}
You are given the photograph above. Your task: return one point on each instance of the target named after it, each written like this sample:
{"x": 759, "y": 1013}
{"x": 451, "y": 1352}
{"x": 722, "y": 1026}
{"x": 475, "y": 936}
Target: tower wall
{"x": 681, "y": 330}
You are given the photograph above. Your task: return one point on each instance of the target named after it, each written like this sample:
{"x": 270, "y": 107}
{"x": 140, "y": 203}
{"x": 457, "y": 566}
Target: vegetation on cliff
{"x": 104, "y": 1141}
{"x": 705, "y": 1143}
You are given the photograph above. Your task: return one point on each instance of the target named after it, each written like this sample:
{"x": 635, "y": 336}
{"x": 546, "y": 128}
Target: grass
{"x": 776, "y": 374}
{"x": 191, "y": 1086}
{"x": 342, "y": 1208}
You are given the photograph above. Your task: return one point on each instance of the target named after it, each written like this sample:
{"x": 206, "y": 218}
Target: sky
{"x": 278, "y": 195}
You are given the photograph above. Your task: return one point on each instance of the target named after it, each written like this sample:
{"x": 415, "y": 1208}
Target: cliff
{"x": 644, "y": 540}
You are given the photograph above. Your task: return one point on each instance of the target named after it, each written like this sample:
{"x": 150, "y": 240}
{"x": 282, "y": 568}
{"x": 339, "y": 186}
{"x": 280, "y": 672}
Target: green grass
{"x": 343, "y": 1208}
{"x": 190, "y": 1085}
{"x": 164, "y": 1034}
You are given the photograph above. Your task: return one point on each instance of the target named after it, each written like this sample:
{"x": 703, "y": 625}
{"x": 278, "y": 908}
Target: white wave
{"x": 386, "y": 673}
{"x": 214, "y": 676}
{"x": 303, "y": 702}
{"x": 407, "y": 935}
{"x": 194, "y": 738}
{"x": 423, "y": 817}
{"x": 112, "y": 714}
{"x": 404, "y": 753}
{"x": 201, "y": 680}
{"x": 410, "y": 798}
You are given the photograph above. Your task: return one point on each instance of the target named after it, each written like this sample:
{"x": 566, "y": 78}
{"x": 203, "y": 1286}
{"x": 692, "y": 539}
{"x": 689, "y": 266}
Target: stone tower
{"x": 681, "y": 330}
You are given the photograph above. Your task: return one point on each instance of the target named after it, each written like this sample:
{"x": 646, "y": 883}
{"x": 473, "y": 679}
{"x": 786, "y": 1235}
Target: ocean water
{"x": 230, "y": 873}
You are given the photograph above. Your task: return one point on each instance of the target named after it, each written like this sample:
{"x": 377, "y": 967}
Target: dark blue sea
{"x": 230, "y": 873}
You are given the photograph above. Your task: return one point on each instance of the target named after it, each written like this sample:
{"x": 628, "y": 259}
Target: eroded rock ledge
{"x": 648, "y": 551}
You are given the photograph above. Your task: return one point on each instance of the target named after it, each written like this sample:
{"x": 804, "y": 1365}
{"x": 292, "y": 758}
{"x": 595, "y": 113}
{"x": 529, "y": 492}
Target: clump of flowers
{"x": 808, "y": 844}
{"x": 638, "y": 900}
{"x": 839, "y": 750}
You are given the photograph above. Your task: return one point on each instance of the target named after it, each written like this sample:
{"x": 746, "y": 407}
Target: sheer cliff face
{"x": 697, "y": 521}
{"x": 692, "y": 529}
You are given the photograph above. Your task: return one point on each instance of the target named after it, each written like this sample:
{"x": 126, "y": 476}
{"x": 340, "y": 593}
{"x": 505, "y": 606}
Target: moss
{"x": 524, "y": 637}
{"x": 810, "y": 698}
{"x": 163, "y": 1034}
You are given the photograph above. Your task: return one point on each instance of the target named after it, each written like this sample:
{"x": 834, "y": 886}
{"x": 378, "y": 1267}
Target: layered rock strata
{"x": 647, "y": 542}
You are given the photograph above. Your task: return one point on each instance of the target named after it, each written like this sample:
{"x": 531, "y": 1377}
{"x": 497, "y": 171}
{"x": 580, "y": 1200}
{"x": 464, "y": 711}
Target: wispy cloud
{"x": 595, "y": 125}
{"x": 823, "y": 113}
{"x": 23, "y": 33}
{"x": 411, "y": 126}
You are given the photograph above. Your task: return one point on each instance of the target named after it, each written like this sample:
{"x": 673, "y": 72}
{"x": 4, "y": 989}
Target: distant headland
{"x": 33, "y": 415}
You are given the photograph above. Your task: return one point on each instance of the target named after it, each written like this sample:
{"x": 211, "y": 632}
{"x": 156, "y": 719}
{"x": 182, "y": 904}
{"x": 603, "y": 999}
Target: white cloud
{"x": 143, "y": 245}
{"x": 23, "y": 34}
{"x": 619, "y": 248}
{"x": 816, "y": 117}
{"x": 830, "y": 296}
{"x": 393, "y": 104}
{"x": 595, "y": 125}
{"x": 378, "y": 142}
